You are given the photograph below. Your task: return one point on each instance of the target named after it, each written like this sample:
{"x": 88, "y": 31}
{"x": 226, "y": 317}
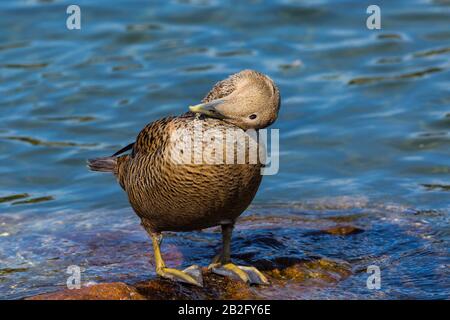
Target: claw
{"x": 191, "y": 275}
{"x": 256, "y": 276}
{"x": 195, "y": 272}
{"x": 245, "y": 274}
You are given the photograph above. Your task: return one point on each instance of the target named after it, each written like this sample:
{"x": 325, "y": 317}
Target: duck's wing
{"x": 109, "y": 164}
{"x": 123, "y": 150}
{"x": 153, "y": 137}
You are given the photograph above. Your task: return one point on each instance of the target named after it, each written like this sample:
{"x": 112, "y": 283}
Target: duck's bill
{"x": 209, "y": 109}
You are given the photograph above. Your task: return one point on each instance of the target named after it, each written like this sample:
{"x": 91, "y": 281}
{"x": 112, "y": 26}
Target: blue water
{"x": 364, "y": 129}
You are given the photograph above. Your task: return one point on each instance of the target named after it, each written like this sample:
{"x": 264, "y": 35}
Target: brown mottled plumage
{"x": 181, "y": 197}
{"x": 171, "y": 197}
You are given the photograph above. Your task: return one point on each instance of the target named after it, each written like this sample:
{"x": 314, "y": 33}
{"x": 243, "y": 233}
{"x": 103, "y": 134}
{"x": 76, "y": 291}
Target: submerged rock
{"x": 343, "y": 230}
{"x": 326, "y": 270}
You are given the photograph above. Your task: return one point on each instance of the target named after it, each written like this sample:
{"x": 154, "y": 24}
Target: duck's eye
{"x": 252, "y": 116}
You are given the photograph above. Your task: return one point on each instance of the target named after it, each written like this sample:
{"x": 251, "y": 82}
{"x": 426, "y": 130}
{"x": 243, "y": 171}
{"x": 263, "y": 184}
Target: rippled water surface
{"x": 364, "y": 136}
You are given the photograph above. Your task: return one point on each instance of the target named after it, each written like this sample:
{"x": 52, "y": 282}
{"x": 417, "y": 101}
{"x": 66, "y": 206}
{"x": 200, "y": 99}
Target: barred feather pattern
{"x": 182, "y": 197}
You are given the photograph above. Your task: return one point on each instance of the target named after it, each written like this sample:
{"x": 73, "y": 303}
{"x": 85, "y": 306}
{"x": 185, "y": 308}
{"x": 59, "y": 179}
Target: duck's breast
{"x": 206, "y": 173}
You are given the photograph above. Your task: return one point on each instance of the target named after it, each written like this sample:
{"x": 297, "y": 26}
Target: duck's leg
{"x": 191, "y": 275}
{"x": 222, "y": 264}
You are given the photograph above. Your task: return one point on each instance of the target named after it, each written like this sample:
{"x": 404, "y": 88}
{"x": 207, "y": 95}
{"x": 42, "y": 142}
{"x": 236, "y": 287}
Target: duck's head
{"x": 247, "y": 99}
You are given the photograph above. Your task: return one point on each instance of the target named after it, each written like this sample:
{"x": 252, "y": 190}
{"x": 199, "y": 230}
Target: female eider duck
{"x": 182, "y": 196}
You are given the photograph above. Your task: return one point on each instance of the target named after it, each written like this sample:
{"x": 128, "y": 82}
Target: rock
{"x": 215, "y": 287}
{"x": 103, "y": 291}
{"x": 321, "y": 271}
{"x": 343, "y": 230}
{"x": 339, "y": 230}
{"x": 325, "y": 270}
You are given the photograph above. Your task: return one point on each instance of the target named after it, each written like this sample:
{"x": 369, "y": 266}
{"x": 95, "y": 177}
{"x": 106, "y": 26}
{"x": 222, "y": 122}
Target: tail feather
{"x": 105, "y": 164}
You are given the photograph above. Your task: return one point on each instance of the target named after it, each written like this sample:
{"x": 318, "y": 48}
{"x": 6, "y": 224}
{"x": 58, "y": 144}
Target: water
{"x": 364, "y": 131}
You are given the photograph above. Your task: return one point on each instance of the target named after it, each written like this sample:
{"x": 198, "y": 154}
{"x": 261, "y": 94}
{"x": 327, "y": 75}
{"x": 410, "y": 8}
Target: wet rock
{"x": 343, "y": 230}
{"x": 324, "y": 270}
{"x": 215, "y": 287}
{"x": 339, "y": 230}
{"x": 103, "y": 291}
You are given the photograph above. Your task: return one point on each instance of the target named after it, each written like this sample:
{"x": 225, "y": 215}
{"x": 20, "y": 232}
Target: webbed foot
{"x": 243, "y": 273}
{"x": 191, "y": 275}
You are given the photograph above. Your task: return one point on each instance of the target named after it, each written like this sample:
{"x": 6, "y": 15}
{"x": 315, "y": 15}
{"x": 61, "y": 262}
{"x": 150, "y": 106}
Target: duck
{"x": 168, "y": 194}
